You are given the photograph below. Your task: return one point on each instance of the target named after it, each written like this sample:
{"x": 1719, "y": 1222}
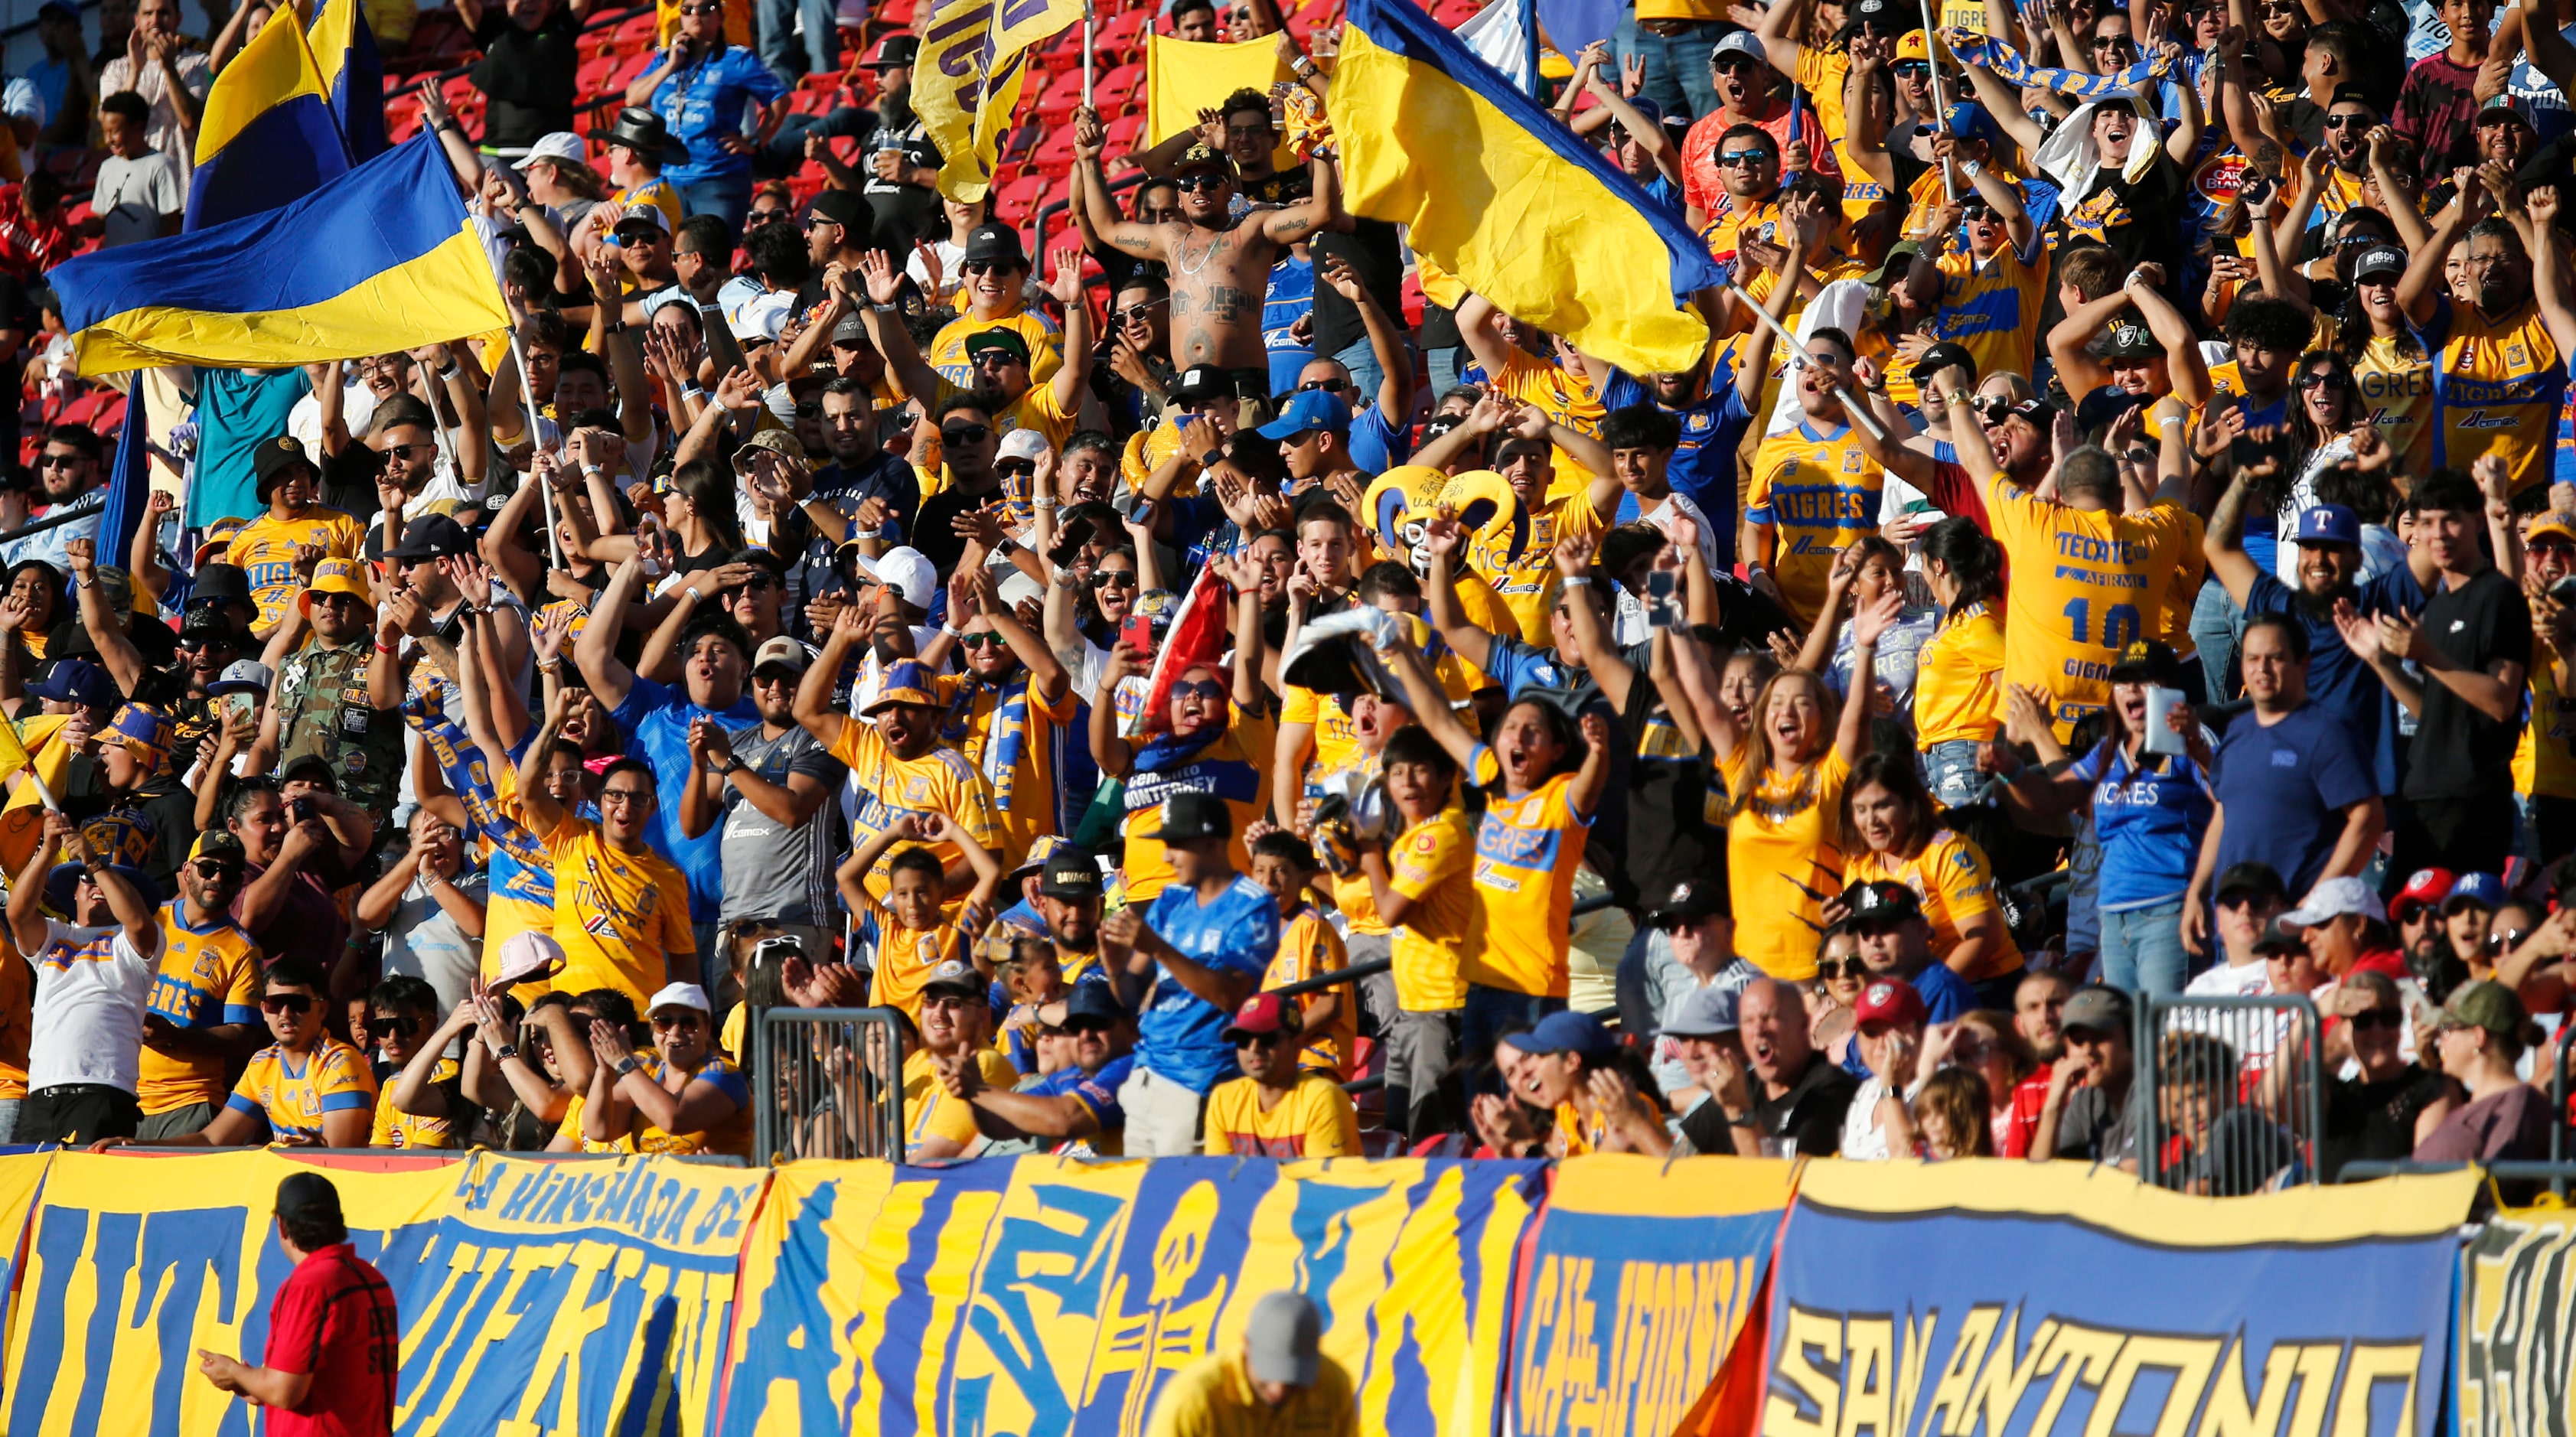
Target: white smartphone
{"x": 2161, "y": 738}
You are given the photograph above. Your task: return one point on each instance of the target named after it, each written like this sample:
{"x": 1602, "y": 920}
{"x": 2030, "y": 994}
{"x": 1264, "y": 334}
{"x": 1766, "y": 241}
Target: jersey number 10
{"x": 2119, "y": 623}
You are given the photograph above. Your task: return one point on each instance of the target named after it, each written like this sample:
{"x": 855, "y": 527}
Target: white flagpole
{"x": 1090, "y": 33}
{"x": 1940, "y": 107}
{"x": 1860, "y": 414}
{"x": 545, "y": 491}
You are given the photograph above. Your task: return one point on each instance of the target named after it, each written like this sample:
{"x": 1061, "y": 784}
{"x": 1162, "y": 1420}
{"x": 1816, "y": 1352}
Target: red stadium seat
{"x": 1019, "y": 200}
{"x": 1126, "y": 133}
{"x": 1057, "y": 102}
{"x": 1055, "y": 155}
{"x": 639, "y": 29}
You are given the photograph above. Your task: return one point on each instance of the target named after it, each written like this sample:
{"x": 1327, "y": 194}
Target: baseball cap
{"x": 2332, "y": 898}
{"x": 2484, "y": 1003}
{"x": 560, "y": 147}
{"x": 1913, "y": 45}
{"x": 1568, "y": 1032}
{"x": 2037, "y": 413}
{"x": 2131, "y": 341}
{"x": 527, "y": 955}
{"x": 273, "y": 458}
{"x": 217, "y": 843}
{"x": 2506, "y": 106}
{"x": 2097, "y": 1009}
{"x": 1191, "y": 815}
{"x": 1705, "y": 1013}
{"x": 784, "y": 653}
{"x": 2562, "y": 525}
{"x": 1311, "y": 409}
{"x": 1043, "y": 848}
{"x": 1740, "y": 42}
{"x": 2428, "y": 886}
{"x": 2328, "y": 524}
{"x": 1026, "y": 444}
{"x": 1689, "y": 900}
{"x": 2281, "y": 936}
{"x": 907, "y": 571}
{"x": 775, "y": 441}
{"x": 64, "y": 878}
{"x": 1889, "y": 1000}
{"x": 894, "y": 52}
{"x": 310, "y": 768}
{"x": 852, "y": 333}
{"x": 76, "y": 681}
{"x": 846, "y": 209}
{"x": 643, "y": 217}
{"x": 2257, "y": 880}
{"x": 2483, "y": 889}
{"x": 957, "y": 976}
{"x": 308, "y": 1196}
{"x": 993, "y": 240}
{"x": 432, "y": 536}
{"x": 2147, "y": 661}
{"x": 1200, "y": 157}
{"x": 243, "y": 676}
{"x": 1203, "y": 381}
{"x": 1088, "y": 1004}
{"x": 142, "y": 731}
{"x": 1899, "y": 255}
{"x": 2379, "y": 260}
{"x": 336, "y": 576}
{"x": 1948, "y": 354}
{"x": 1880, "y": 903}
{"x": 909, "y": 681}
{"x": 1008, "y": 341}
{"x": 680, "y": 995}
{"x": 1261, "y": 1015}
{"x": 2106, "y": 404}
{"x": 1283, "y": 1340}
{"x": 1070, "y": 876}
{"x": 1968, "y": 120}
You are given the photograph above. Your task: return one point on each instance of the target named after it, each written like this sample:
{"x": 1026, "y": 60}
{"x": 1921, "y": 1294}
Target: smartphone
{"x": 2564, "y": 591}
{"x": 1137, "y": 633}
{"x": 2255, "y": 191}
{"x": 302, "y": 809}
{"x": 1659, "y": 599}
{"x": 249, "y": 703}
{"x": 2246, "y": 453}
{"x": 2160, "y": 737}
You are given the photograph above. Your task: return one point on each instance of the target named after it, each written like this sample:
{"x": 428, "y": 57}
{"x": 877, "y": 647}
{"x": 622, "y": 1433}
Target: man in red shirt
{"x": 334, "y": 1342}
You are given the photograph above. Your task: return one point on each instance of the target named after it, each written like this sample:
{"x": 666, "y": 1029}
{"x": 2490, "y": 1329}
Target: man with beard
{"x": 1747, "y": 86}
{"x": 902, "y": 162}
{"x": 2422, "y": 939}
{"x": 1074, "y": 1109}
{"x": 2329, "y": 540}
{"x": 862, "y": 488}
{"x": 204, "y": 1010}
{"x": 66, "y": 470}
{"x": 2502, "y": 368}
{"x": 2036, "y": 1005}
{"x": 1069, "y": 898}
{"x": 323, "y": 708}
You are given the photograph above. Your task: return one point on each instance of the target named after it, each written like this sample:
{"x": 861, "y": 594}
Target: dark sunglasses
{"x": 1329, "y": 386}
{"x": 758, "y": 218}
{"x": 1737, "y": 159}
{"x": 405, "y": 451}
{"x": 1259, "y": 1040}
{"x": 1912, "y": 68}
{"x": 1135, "y": 311}
{"x": 57, "y": 461}
{"x": 2326, "y": 380}
{"x": 1112, "y": 579}
{"x": 987, "y": 639}
{"x": 757, "y": 583}
{"x": 1204, "y": 688}
{"x": 285, "y": 1003}
{"x": 388, "y": 1027}
{"x": 987, "y": 266}
{"x": 216, "y": 871}
{"x": 2377, "y": 1019}
{"x": 1848, "y": 968}
{"x": 1024, "y": 468}
{"x": 2504, "y": 942}
{"x": 1976, "y": 212}
{"x": 966, "y": 434}
{"x": 2412, "y": 911}
{"x": 1203, "y": 180}
{"x": 2115, "y": 42}
{"x": 2352, "y": 122}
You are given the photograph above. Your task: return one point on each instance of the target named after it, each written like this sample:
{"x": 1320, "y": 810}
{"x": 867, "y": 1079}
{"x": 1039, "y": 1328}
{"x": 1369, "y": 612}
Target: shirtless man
{"x": 1219, "y": 266}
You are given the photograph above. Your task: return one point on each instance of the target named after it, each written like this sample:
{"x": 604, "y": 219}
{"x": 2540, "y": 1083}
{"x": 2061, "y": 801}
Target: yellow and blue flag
{"x": 267, "y": 135}
{"x": 380, "y": 259}
{"x": 353, "y": 75}
{"x": 1499, "y": 193}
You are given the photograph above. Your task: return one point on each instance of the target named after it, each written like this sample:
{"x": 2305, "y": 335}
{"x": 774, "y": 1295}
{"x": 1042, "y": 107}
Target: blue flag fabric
{"x": 353, "y": 76}
{"x": 267, "y": 136}
{"x": 129, "y": 484}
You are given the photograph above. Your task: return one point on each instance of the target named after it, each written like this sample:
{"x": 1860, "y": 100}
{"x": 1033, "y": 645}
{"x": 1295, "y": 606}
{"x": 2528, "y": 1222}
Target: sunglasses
{"x": 758, "y": 218}
{"x": 1258, "y": 1040}
{"x": 756, "y": 584}
{"x": 987, "y": 266}
{"x": 1204, "y": 688}
{"x": 1329, "y": 386}
{"x": 2326, "y": 380}
{"x": 388, "y": 1027}
{"x": 215, "y": 871}
{"x": 1911, "y": 69}
{"x": 966, "y": 434}
{"x": 987, "y": 639}
{"x": 1827, "y": 968}
{"x": 1976, "y": 212}
{"x": 667, "y": 1023}
{"x": 2350, "y": 122}
{"x": 2549, "y": 546}
{"x": 296, "y": 1003}
{"x": 1112, "y": 579}
{"x": 2412, "y": 911}
{"x": 1135, "y": 311}
{"x": 1024, "y": 468}
{"x": 405, "y": 451}
{"x": 2376, "y": 1020}
{"x": 1202, "y": 181}
{"x": 2115, "y": 42}
{"x": 57, "y": 461}
{"x": 2504, "y": 942}
{"x": 1737, "y": 159}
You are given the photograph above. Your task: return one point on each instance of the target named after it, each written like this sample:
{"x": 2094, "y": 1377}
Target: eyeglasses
{"x": 2325, "y": 379}
{"x": 213, "y": 870}
{"x": 1192, "y": 184}
{"x": 1204, "y": 688}
{"x": 622, "y": 796}
{"x": 1136, "y": 311}
{"x": 709, "y": 8}
{"x": 985, "y": 639}
{"x": 295, "y": 1003}
{"x": 757, "y": 218}
{"x": 1974, "y": 211}
{"x": 335, "y": 599}
{"x": 1329, "y": 386}
{"x": 2549, "y": 546}
{"x": 966, "y": 434}
{"x": 756, "y": 584}
{"x": 1737, "y": 159}
{"x": 987, "y": 266}
{"x": 2412, "y": 911}
{"x": 388, "y": 1027}
{"x": 1112, "y": 579}
{"x": 1258, "y": 1040}
{"x": 2376, "y": 1020}
{"x": 2114, "y": 42}
{"x": 817, "y": 222}
{"x": 663, "y": 1023}
{"x": 57, "y": 461}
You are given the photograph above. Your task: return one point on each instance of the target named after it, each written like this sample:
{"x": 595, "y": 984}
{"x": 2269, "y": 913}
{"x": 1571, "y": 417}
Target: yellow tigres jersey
{"x": 2499, "y": 384}
{"x": 1992, "y": 306}
{"x": 2084, "y": 583}
{"x": 2399, "y": 394}
{"x": 2544, "y": 762}
{"x": 1526, "y": 586}
{"x": 395, "y": 1128}
{"x": 1958, "y": 679}
{"x": 208, "y": 977}
{"x": 1819, "y": 493}
{"x": 265, "y": 547}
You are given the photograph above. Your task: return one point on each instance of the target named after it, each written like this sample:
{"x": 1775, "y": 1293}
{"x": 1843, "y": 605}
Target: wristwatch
{"x": 625, "y": 1066}
{"x": 505, "y": 1052}
{"x": 732, "y": 766}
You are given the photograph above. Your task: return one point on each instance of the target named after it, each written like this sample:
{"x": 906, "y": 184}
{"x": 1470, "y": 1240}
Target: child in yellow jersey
{"x": 914, "y": 932}
{"x": 1958, "y": 673}
{"x": 277, "y": 548}
{"x": 401, "y": 1012}
{"x": 1424, "y": 887}
{"x": 1890, "y": 833}
{"x": 1204, "y": 742}
{"x": 1785, "y": 768}
{"x": 1284, "y": 864}
{"x": 1543, "y": 774}
{"x": 1813, "y": 493}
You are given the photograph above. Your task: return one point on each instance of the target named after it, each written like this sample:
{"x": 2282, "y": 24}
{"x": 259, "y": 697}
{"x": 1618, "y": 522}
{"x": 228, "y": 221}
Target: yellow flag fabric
{"x": 22, "y": 818}
{"x": 1501, "y": 195}
{"x": 966, "y": 80}
{"x": 1183, "y": 77}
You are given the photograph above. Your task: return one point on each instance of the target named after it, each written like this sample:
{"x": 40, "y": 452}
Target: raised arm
{"x": 1851, "y": 734}
{"x": 2419, "y": 290}
{"x": 2548, "y": 284}
{"x": 1601, "y": 655}
{"x": 1091, "y": 193}
{"x": 595, "y": 652}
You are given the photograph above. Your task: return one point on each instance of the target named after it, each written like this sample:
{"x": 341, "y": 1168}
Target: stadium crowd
{"x": 2119, "y": 541}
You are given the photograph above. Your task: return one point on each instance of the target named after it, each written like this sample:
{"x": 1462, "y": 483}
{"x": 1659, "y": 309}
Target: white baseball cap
{"x": 528, "y": 954}
{"x": 680, "y": 995}
{"x": 905, "y": 570}
{"x": 2332, "y": 898}
{"x": 560, "y": 146}
{"x": 1023, "y": 443}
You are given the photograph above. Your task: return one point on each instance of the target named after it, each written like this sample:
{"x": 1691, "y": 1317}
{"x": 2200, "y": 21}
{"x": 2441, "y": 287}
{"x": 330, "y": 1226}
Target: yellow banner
{"x": 1184, "y": 77}
{"x": 966, "y": 80}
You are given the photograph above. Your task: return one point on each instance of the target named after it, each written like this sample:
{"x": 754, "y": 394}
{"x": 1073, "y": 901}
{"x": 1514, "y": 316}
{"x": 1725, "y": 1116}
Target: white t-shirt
{"x": 425, "y": 942}
{"x": 2227, "y": 981}
{"x": 87, "y": 1026}
{"x": 133, "y": 195}
{"x": 1863, "y": 1138}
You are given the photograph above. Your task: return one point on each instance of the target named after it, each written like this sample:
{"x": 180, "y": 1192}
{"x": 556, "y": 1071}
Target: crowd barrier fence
{"x": 2230, "y": 1092}
{"x": 1606, "y": 1294}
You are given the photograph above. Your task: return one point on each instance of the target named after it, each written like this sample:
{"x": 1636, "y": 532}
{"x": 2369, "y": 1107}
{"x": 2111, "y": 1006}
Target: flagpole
{"x": 1798, "y": 360}
{"x": 1529, "y": 48}
{"x": 1090, "y": 34}
{"x": 545, "y": 491}
{"x": 1940, "y": 107}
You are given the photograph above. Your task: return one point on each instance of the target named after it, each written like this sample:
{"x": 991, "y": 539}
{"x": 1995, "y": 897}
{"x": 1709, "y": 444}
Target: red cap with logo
{"x": 2428, "y": 886}
{"x": 1889, "y": 1000}
{"x": 1261, "y": 1015}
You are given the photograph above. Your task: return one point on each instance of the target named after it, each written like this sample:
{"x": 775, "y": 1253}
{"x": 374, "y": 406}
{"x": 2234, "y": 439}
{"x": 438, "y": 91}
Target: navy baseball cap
{"x": 1569, "y": 1032}
{"x": 1311, "y": 409}
{"x": 2329, "y": 524}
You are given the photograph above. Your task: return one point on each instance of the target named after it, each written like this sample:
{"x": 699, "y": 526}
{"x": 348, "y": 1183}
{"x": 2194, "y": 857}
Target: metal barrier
{"x": 828, "y": 1083}
{"x": 2230, "y": 1092}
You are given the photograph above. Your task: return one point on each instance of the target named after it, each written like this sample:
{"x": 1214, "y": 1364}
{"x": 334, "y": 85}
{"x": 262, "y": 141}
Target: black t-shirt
{"x": 1669, "y": 835}
{"x": 2135, "y": 219}
{"x": 529, "y": 77}
{"x": 1373, "y": 253}
{"x": 2375, "y": 1122}
{"x": 2458, "y": 751}
{"x": 1807, "y": 1119}
{"x": 933, "y": 533}
{"x": 1279, "y": 187}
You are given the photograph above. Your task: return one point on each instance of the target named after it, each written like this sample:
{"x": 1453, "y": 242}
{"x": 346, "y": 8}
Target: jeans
{"x": 2216, "y": 624}
{"x": 1677, "y": 71}
{"x": 1950, "y": 772}
{"x": 727, "y": 197}
{"x": 1444, "y": 365}
{"x": 1492, "y": 1012}
{"x": 1366, "y": 374}
{"x": 778, "y": 39}
{"x": 2142, "y": 949}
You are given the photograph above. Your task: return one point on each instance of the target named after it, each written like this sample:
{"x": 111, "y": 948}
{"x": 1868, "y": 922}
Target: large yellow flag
{"x": 1183, "y": 77}
{"x": 966, "y": 80}
{"x": 22, "y": 818}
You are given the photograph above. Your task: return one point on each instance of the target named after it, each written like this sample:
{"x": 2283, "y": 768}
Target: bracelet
{"x": 2170, "y": 421}
{"x": 614, "y": 326}
{"x": 691, "y": 391}
{"x": 1211, "y": 459}
{"x": 885, "y": 308}
{"x": 1971, "y": 168}
{"x": 593, "y": 469}
{"x": 867, "y": 533}
{"x": 452, "y": 370}
{"x": 951, "y": 631}
{"x": 1066, "y": 578}
{"x": 1739, "y": 1120}
{"x": 384, "y": 648}
{"x": 88, "y": 584}
{"x": 1576, "y": 581}
{"x": 1046, "y": 504}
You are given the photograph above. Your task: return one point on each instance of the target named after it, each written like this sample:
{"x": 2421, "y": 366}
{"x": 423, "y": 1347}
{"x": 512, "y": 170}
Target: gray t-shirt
{"x": 770, "y": 870}
{"x": 2093, "y": 1127}
{"x": 425, "y": 942}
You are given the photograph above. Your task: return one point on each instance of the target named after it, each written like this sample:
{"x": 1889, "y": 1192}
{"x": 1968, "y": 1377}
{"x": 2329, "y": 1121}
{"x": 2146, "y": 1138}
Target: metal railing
{"x": 828, "y": 1084}
{"x": 2230, "y": 1092}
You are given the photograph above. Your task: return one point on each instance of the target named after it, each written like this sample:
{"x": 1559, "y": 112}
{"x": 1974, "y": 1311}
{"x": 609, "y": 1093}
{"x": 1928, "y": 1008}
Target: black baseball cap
{"x": 1089, "y": 1005}
{"x": 1191, "y": 816}
{"x": 2147, "y": 661}
{"x": 1204, "y": 381}
{"x": 1069, "y": 877}
{"x": 2258, "y": 880}
{"x": 994, "y": 241}
{"x": 1879, "y": 904}
{"x": 1689, "y": 900}
{"x": 432, "y": 536}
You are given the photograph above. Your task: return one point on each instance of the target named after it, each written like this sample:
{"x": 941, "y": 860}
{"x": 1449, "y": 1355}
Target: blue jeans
{"x": 1443, "y": 365}
{"x": 1492, "y": 1012}
{"x": 2216, "y": 624}
{"x": 727, "y": 197}
{"x": 1950, "y": 772}
{"x": 1677, "y": 72}
{"x": 778, "y": 38}
{"x": 1366, "y": 374}
{"x": 2142, "y": 949}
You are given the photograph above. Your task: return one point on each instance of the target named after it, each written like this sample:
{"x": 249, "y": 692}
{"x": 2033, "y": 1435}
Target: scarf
{"x": 528, "y": 874}
{"x": 1972, "y": 48}
{"x": 1005, "y": 740}
{"x": 1172, "y": 764}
